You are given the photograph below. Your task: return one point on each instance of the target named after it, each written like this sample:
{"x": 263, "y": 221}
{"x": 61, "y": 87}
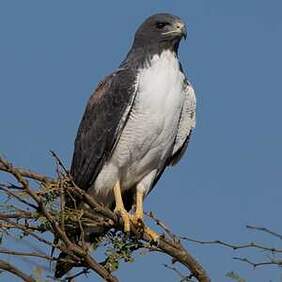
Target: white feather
{"x": 150, "y": 131}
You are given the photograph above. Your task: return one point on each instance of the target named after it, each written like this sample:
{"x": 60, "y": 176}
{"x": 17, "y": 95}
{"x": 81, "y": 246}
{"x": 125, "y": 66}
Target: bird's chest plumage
{"x": 152, "y": 125}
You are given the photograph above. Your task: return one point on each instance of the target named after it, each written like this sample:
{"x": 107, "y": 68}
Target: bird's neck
{"x": 139, "y": 55}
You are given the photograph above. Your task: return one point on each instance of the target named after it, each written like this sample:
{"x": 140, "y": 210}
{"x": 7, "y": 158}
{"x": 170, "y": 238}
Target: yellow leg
{"x": 120, "y": 207}
{"x": 137, "y": 218}
{"x": 139, "y": 213}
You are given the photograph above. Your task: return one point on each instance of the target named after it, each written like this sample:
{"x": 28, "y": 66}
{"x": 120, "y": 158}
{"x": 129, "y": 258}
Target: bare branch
{"x": 233, "y": 246}
{"x": 180, "y": 254}
{"x": 163, "y": 226}
{"x": 25, "y": 254}
{"x": 71, "y": 278}
{"x": 12, "y": 269}
{"x": 263, "y": 229}
{"x": 60, "y": 163}
{"x": 28, "y": 173}
{"x": 29, "y": 230}
{"x": 19, "y": 214}
{"x": 181, "y": 276}
{"x": 15, "y": 196}
{"x": 256, "y": 264}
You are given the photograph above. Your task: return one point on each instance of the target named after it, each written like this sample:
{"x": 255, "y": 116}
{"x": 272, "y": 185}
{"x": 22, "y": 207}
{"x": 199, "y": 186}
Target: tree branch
{"x": 233, "y": 246}
{"x": 256, "y": 264}
{"x": 97, "y": 215}
{"x": 12, "y": 269}
{"x": 28, "y": 173}
{"x": 266, "y": 230}
{"x": 25, "y": 254}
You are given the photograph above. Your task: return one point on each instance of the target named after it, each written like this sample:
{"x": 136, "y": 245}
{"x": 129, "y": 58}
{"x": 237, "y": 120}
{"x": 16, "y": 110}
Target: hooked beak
{"x": 184, "y": 32}
{"x": 179, "y": 29}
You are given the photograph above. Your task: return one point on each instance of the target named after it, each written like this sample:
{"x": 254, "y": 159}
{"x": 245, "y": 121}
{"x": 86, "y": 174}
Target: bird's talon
{"x": 138, "y": 221}
{"x": 125, "y": 218}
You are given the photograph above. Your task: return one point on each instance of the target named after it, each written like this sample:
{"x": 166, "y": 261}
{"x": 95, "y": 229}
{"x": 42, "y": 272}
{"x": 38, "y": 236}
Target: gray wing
{"x": 186, "y": 123}
{"x": 101, "y": 125}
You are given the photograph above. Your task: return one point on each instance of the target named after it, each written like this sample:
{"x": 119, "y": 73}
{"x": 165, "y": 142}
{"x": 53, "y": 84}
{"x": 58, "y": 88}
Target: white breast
{"x": 152, "y": 126}
{"x": 161, "y": 82}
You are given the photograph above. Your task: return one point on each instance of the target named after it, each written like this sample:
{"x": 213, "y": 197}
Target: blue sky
{"x": 52, "y": 55}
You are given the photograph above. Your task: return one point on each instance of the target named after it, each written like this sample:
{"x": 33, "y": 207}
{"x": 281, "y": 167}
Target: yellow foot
{"x": 153, "y": 236}
{"x": 125, "y": 217}
{"x": 137, "y": 219}
{"x": 120, "y": 208}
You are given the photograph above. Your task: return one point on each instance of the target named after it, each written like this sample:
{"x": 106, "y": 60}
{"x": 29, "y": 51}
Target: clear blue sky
{"x": 52, "y": 55}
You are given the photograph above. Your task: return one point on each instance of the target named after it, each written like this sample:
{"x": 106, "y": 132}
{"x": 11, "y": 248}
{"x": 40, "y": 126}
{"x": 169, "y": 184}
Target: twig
{"x": 62, "y": 207}
{"x": 19, "y": 177}
{"x": 182, "y": 255}
{"x": 26, "y": 229}
{"x": 162, "y": 225}
{"x": 28, "y": 173}
{"x": 20, "y": 214}
{"x": 56, "y": 157}
{"x": 14, "y": 270}
{"x": 256, "y": 264}
{"x": 14, "y": 195}
{"x": 70, "y": 278}
{"x": 233, "y": 246}
{"x": 263, "y": 229}
{"x": 181, "y": 276}
{"x": 26, "y": 254}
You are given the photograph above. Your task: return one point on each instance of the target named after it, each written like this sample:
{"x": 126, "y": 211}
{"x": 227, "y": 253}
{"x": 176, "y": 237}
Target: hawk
{"x": 138, "y": 121}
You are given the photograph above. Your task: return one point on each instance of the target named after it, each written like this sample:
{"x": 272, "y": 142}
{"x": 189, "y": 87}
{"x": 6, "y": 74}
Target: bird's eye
{"x": 161, "y": 25}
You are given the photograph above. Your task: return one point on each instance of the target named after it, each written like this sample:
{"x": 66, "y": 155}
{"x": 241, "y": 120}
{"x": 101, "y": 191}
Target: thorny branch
{"x": 42, "y": 209}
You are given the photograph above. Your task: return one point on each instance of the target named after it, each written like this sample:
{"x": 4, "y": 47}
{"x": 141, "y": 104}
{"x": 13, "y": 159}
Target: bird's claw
{"x": 138, "y": 222}
{"x": 125, "y": 218}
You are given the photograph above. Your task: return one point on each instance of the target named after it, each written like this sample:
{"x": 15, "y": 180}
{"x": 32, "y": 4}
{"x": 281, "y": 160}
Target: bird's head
{"x": 163, "y": 29}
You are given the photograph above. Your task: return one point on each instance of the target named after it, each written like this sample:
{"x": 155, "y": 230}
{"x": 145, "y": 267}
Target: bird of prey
{"x": 137, "y": 122}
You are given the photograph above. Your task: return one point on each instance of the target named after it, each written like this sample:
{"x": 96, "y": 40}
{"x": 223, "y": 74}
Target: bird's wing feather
{"x": 186, "y": 123}
{"x": 101, "y": 125}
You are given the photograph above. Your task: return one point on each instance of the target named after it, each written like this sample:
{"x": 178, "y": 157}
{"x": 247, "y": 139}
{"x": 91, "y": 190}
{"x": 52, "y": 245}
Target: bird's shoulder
{"x": 111, "y": 93}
